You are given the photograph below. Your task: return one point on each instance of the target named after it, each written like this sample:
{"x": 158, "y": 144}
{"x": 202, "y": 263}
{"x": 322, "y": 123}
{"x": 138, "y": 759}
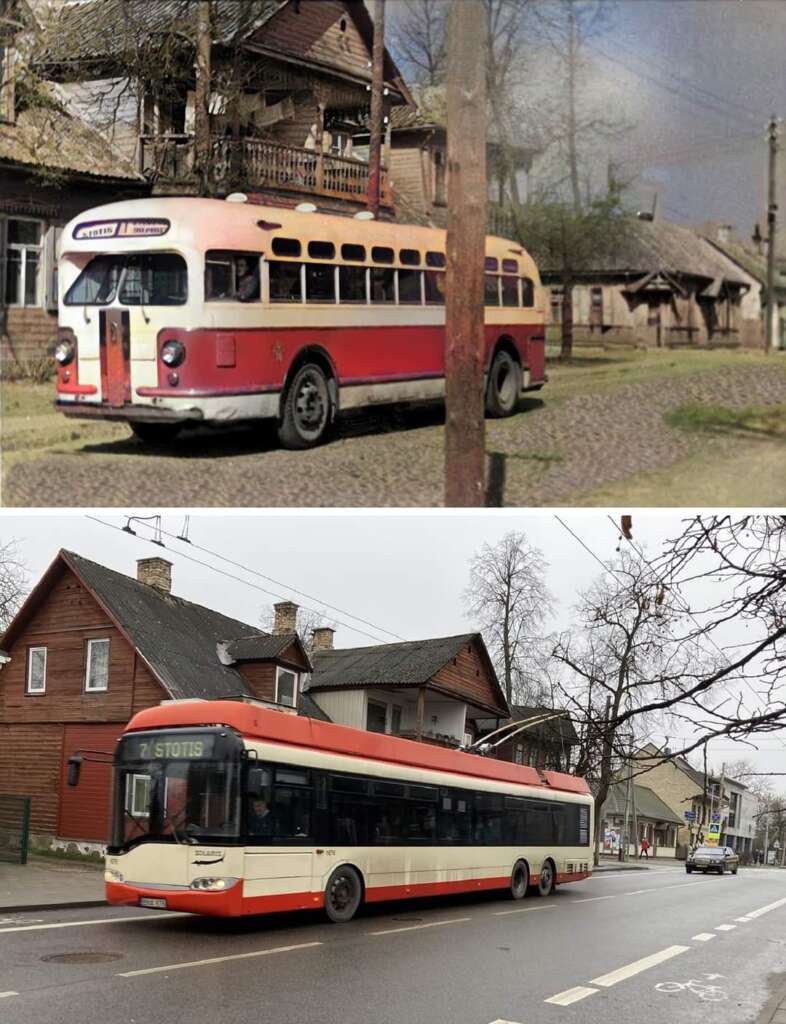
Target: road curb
{"x": 72, "y": 905}
{"x": 772, "y": 1007}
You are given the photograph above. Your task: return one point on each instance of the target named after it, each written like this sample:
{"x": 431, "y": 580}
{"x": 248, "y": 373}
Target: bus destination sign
{"x": 171, "y": 745}
{"x": 150, "y": 227}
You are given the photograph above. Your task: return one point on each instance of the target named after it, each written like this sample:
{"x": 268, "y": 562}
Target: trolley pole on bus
{"x": 377, "y": 108}
{"x": 466, "y": 248}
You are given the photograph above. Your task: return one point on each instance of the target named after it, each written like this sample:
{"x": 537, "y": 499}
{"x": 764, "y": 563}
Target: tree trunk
{"x": 566, "y": 350}
{"x": 377, "y": 111}
{"x": 202, "y": 99}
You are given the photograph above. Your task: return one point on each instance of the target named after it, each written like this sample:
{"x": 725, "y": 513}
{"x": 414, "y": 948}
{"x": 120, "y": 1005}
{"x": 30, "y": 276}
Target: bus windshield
{"x": 178, "y": 790}
{"x": 149, "y": 279}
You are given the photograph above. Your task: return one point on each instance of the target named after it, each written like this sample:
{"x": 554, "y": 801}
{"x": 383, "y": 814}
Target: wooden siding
{"x": 85, "y": 810}
{"x": 315, "y": 34}
{"x": 30, "y": 758}
{"x": 67, "y": 617}
{"x": 347, "y": 707}
{"x": 467, "y": 678}
{"x": 260, "y": 676}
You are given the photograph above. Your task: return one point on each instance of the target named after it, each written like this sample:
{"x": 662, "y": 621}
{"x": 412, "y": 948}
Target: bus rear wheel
{"x": 343, "y": 894}
{"x": 155, "y": 433}
{"x": 504, "y": 385}
{"x": 546, "y": 879}
{"x": 307, "y": 408}
{"x": 519, "y": 881}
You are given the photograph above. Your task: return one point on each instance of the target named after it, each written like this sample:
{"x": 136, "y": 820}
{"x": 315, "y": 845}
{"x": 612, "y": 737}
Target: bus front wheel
{"x": 519, "y": 880}
{"x": 504, "y": 385}
{"x": 307, "y": 408}
{"x": 155, "y": 433}
{"x": 546, "y": 879}
{"x": 343, "y": 894}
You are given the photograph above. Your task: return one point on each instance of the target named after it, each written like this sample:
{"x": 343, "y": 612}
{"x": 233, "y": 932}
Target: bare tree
{"x": 308, "y": 619}
{"x": 418, "y": 40}
{"x": 508, "y": 598}
{"x": 13, "y": 582}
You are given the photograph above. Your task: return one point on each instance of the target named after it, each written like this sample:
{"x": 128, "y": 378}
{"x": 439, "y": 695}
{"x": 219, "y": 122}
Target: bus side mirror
{"x": 259, "y": 780}
{"x": 74, "y": 767}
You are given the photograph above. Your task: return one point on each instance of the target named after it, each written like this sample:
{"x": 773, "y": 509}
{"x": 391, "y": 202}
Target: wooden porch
{"x": 255, "y": 164}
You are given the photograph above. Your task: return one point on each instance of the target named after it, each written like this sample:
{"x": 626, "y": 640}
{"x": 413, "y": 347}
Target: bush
{"x": 35, "y": 369}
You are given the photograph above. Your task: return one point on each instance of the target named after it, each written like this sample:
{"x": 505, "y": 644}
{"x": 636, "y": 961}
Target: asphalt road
{"x": 659, "y": 946}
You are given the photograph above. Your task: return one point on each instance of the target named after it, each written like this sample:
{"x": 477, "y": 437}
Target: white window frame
{"x": 23, "y": 250}
{"x": 291, "y": 672}
{"x": 28, "y": 686}
{"x": 131, "y": 784}
{"x": 88, "y": 687}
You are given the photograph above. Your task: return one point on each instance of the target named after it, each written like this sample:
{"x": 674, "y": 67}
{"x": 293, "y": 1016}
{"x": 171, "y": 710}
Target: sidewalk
{"x": 46, "y": 882}
{"x": 610, "y": 862}
{"x": 775, "y": 1010}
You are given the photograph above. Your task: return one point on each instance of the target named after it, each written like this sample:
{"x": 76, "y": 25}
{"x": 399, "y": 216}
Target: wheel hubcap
{"x": 505, "y": 385}
{"x": 341, "y": 894}
{"x": 310, "y": 405}
{"x": 545, "y": 877}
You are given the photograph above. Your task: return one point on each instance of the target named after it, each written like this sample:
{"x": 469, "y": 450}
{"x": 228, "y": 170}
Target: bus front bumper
{"x": 137, "y": 413}
{"x": 224, "y": 903}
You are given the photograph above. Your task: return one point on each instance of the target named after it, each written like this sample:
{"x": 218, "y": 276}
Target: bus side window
{"x": 510, "y": 291}
{"x": 383, "y": 284}
{"x": 232, "y": 276}
{"x": 492, "y": 290}
{"x": 285, "y": 281}
{"x": 352, "y": 284}
{"x": 320, "y": 282}
{"x": 409, "y": 291}
{"x": 435, "y": 288}
{"x": 527, "y": 292}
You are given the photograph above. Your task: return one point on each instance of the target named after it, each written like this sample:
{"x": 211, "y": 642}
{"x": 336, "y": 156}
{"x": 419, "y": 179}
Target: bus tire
{"x": 155, "y": 433}
{"x": 307, "y": 408}
{"x": 519, "y": 880}
{"x": 546, "y": 878}
{"x": 343, "y": 894}
{"x": 504, "y": 385}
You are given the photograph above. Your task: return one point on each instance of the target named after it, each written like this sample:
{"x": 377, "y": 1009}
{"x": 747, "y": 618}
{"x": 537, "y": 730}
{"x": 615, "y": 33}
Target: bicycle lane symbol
{"x": 702, "y": 989}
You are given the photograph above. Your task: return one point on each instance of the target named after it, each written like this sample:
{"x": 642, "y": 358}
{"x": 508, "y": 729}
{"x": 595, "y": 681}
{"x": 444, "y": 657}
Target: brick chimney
{"x": 155, "y": 572}
{"x": 322, "y": 639}
{"x": 285, "y": 620}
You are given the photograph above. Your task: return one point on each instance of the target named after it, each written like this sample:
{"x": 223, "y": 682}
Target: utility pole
{"x": 202, "y": 97}
{"x": 772, "y": 209}
{"x": 377, "y": 108}
{"x": 465, "y": 427}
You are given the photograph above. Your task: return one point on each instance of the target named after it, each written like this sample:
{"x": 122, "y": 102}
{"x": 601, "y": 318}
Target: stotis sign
{"x": 150, "y": 227}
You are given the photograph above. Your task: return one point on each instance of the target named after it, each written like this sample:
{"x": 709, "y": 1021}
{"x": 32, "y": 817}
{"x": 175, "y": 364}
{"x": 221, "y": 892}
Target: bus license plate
{"x": 154, "y": 904}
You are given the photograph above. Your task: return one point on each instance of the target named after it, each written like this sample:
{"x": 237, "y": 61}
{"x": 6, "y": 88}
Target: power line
{"x": 248, "y": 583}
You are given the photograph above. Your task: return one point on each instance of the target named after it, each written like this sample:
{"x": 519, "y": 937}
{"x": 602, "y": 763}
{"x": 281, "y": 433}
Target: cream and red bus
{"x": 175, "y": 311}
{"x": 231, "y": 807}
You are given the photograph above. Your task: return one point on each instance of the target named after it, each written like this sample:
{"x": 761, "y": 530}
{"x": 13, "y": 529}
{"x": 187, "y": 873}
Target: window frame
{"x": 296, "y": 676}
{"x": 29, "y": 691}
{"x": 88, "y": 661}
{"x": 22, "y": 248}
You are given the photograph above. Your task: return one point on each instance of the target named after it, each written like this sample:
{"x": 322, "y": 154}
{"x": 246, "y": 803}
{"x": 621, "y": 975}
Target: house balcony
{"x": 253, "y": 165}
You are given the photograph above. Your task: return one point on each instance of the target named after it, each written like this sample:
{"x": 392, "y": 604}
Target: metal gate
{"x": 14, "y": 828}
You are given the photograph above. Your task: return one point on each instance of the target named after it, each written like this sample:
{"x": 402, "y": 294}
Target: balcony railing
{"x": 260, "y": 163}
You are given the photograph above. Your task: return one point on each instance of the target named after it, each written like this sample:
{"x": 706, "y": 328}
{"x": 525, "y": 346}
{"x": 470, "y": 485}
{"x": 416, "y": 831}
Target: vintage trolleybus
{"x": 230, "y": 808}
{"x": 186, "y": 310}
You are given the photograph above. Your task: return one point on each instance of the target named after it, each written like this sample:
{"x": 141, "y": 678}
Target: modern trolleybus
{"x": 231, "y": 808}
{"x": 186, "y": 310}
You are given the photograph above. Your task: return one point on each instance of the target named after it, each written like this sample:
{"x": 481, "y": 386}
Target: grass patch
{"x": 696, "y": 417}
{"x": 542, "y": 457}
{"x": 73, "y": 856}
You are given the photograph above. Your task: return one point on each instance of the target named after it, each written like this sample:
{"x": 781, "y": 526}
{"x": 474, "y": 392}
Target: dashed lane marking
{"x": 593, "y": 899}
{"x": 216, "y": 960}
{"x": 613, "y": 977}
{"x": 571, "y": 995}
{"x": 703, "y": 937}
{"x": 743, "y": 920}
{"x": 725, "y": 927}
{"x": 766, "y": 910}
{"x": 524, "y": 910}
{"x": 415, "y": 927}
{"x": 82, "y": 924}
{"x": 638, "y": 892}
{"x": 5, "y": 995}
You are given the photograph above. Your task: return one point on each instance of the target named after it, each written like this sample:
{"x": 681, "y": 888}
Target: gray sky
{"x": 403, "y": 572}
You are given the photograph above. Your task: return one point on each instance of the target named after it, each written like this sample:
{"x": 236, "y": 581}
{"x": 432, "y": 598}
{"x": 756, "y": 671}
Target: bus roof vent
{"x": 305, "y": 208}
{"x": 237, "y": 197}
{"x": 364, "y": 215}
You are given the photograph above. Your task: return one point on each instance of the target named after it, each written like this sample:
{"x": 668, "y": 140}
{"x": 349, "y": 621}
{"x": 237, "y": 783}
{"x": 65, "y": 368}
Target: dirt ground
{"x": 626, "y": 427}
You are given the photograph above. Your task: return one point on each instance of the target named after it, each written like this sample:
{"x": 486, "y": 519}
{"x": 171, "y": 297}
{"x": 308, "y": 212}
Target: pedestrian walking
{"x": 644, "y": 848}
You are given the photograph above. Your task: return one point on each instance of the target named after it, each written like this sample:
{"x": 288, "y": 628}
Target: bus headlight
{"x": 110, "y": 875}
{"x": 213, "y": 884}
{"x": 65, "y": 352}
{"x": 173, "y": 353}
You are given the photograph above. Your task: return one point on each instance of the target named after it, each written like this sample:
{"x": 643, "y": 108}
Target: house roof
{"x": 411, "y": 663}
{"x": 256, "y": 647}
{"x": 754, "y": 264}
{"x": 648, "y": 803}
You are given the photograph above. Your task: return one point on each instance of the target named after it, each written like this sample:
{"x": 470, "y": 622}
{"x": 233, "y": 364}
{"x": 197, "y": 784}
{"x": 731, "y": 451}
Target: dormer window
{"x": 286, "y": 687}
{"x": 97, "y": 666}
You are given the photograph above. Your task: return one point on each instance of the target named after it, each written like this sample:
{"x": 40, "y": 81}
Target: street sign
{"x": 715, "y": 817}
{"x": 690, "y": 815}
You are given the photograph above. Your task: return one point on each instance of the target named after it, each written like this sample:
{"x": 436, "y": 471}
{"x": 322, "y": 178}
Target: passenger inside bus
{"x": 260, "y": 818}
{"x": 246, "y": 280}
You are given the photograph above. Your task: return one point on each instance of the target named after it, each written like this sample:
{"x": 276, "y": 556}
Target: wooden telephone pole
{"x": 466, "y": 249}
{"x": 772, "y": 208}
{"x": 377, "y": 108}
{"x": 202, "y": 97}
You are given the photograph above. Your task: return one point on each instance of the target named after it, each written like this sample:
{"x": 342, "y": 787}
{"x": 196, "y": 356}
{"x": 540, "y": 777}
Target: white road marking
{"x": 5, "y": 995}
{"x": 415, "y": 927}
{"x": 571, "y": 995}
{"x": 742, "y": 919}
{"x": 593, "y": 899}
{"x": 216, "y": 960}
{"x": 82, "y": 924}
{"x": 725, "y": 927}
{"x": 525, "y": 910}
{"x": 607, "y": 980}
{"x": 638, "y": 892}
{"x": 766, "y": 910}
{"x": 703, "y": 937}
{"x": 500, "y": 1021}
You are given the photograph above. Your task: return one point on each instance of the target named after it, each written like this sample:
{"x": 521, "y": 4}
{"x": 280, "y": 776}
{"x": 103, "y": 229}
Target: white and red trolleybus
{"x": 183, "y": 310}
{"x": 230, "y": 808}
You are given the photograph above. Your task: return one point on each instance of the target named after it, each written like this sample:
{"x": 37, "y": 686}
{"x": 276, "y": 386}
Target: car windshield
{"x": 709, "y": 851}
{"x": 148, "y": 279}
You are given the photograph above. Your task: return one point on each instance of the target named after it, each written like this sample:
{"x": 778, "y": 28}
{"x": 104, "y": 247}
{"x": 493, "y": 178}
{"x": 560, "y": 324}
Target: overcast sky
{"x": 402, "y": 572}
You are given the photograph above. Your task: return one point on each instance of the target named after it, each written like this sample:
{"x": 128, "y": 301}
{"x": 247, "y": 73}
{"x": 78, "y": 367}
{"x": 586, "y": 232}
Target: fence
{"x": 14, "y": 828}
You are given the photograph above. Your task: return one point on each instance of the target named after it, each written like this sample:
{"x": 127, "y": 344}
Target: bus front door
{"x": 115, "y": 357}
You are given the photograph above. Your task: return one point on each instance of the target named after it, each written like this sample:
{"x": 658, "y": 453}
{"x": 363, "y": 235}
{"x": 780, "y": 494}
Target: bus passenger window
{"x": 321, "y": 250}
{"x": 409, "y": 257}
{"x": 352, "y": 284}
{"x": 492, "y": 290}
{"x": 286, "y": 247}
{"x": 382, "y": 254}
{"x": 435, "y": 259}
{"x": 320, "y": 282}
{"x": 527, "y": 292}
{"x": 492, "y": 264}
{"x": 232, "y": 276}
{"x": 435, "y": 288}
{"x": 510, "y": 291}
{"x": 355, "y": 253}
{"x": 246, "y": 279}
{"x": 409, "y": 287}
{"x": 285, "y": 282}
{"x": 510, "y": 266}
{"x": 383, "y": 284}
